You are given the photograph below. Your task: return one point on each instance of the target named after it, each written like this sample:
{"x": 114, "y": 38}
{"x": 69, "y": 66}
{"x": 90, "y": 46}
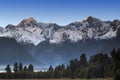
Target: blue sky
{"x": 61, "y": 12}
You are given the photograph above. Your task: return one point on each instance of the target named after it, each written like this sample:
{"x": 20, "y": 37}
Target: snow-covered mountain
{"x": 44, "y": 44}
{"x": 33, "y": 32}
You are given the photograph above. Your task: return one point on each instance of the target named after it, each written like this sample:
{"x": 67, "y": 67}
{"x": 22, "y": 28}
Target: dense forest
{"x": 101, "y": 65}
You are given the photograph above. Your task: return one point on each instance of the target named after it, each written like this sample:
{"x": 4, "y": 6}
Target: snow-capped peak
{"x": 33, "y": 32}
{"x": 90, "y": 18}
{"x": 10, "y": 27}
{"x": 85, "y": 19}
{"x": 29, "y": 20}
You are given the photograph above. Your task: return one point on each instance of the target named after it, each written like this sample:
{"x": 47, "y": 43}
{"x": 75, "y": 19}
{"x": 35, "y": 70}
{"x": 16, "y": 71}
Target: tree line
{"x": 101, "y": 65}
{"x": 19, "y": 68}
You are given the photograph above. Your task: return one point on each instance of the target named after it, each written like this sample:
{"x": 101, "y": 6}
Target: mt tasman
{"x": 50, "y": 44}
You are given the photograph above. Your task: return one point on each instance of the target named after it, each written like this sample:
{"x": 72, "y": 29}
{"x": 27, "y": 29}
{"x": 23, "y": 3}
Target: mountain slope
{"x": 33, "y": 32}
{"x": 44, "y": 44}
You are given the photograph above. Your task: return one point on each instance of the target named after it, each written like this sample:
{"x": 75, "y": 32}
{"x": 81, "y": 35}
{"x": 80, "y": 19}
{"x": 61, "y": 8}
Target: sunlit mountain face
{"x": 44, "y": 44}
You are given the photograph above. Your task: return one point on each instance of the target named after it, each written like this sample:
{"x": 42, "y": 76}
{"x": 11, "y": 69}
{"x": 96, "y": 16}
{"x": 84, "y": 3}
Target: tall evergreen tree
{"x": 50, "y": 72}
{"x": 50, "y": 68}
{"x": 74, "y": 64}
{"x": 20, "y": 67}
{"x": 83, "y": 59}
{"x": 68, "y": 72}
{"x": 81, "y": 70}
{"x": 15, "y": 68}
{"x": 8, "y": 69}
{"x": 115, "y": 54}
{"x": 30, "y": 68}
{"x": 25, "y": 68}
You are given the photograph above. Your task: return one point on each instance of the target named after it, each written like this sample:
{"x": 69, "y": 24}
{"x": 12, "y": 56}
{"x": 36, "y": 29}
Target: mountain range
{"x": 47, "y": 44}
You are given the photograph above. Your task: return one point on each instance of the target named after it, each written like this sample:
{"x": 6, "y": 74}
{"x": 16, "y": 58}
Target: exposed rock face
{"x": 33, "y": 32}
{"x": 50, "y": 44}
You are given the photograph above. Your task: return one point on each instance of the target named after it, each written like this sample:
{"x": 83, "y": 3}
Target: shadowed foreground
{"x": 99, "y": 67}
{"x": 60, "y": 79}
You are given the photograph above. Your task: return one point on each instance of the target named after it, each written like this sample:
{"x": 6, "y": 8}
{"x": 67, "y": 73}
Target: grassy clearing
{"x": 61, "y": 79}
{"x": 95, "y": 79}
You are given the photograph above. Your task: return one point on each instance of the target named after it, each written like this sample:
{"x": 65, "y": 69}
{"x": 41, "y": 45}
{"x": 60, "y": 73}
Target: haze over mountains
{"x": 47, "y": 44}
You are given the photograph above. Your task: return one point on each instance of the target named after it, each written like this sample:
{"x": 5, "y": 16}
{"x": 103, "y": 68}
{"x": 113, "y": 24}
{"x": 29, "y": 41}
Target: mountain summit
{"x": 44, "y": 44}
{"x": 29, "y": 20}
{"x": 33, "y": 32}
{"x": 90, "y": 19}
